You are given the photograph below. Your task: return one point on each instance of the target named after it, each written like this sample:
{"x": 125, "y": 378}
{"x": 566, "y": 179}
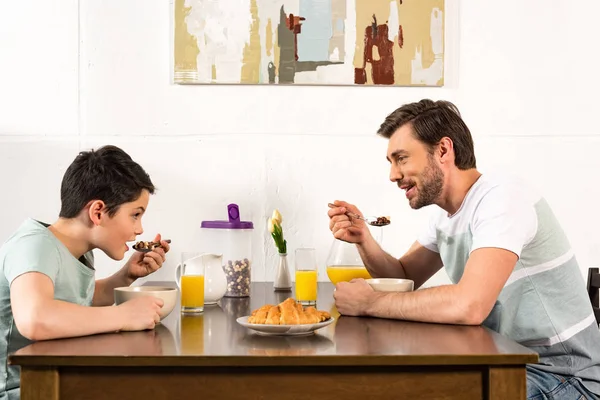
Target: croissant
{"x": 288, "y": 312}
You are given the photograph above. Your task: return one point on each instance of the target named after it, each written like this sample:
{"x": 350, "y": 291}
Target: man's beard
{"x": 430, "y": 189}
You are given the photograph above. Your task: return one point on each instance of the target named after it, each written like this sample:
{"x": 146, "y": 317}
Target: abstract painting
{"x": 315, "y": 42}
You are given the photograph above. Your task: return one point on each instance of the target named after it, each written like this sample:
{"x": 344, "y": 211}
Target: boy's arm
{"x": 138, "y": 266}
{"x": 38, "y": 316}
{"x": 104, "y": 288}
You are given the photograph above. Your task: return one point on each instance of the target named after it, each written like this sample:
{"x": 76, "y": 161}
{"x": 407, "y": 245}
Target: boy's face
{"x": 123, "y": 227}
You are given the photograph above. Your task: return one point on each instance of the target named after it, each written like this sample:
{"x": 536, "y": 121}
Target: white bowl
{"x": 391, "y": 285}
{"x": 167, "y": 294}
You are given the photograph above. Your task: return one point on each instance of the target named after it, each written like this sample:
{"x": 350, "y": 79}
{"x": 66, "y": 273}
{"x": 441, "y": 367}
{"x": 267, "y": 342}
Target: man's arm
{"x": 418, "y": 264}
{"x": 469, "y": 302}
{"x": 38, "y": 316}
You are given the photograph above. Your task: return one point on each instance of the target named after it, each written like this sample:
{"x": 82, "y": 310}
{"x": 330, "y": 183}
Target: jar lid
{"x": 233, "y": 211}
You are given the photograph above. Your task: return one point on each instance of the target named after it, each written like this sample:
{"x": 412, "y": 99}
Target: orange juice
{"x": 345, "y": 273}
{"x": 192, "y": 292}
{"x": 306, "y": 286}
{"x": 192, "y": 334}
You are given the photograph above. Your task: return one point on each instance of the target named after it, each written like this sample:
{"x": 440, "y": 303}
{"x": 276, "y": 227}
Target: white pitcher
{"x": 215, "y": 282}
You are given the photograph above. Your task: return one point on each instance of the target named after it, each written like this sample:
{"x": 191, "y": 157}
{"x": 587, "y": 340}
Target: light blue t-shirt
{"x": 33, "y": 248}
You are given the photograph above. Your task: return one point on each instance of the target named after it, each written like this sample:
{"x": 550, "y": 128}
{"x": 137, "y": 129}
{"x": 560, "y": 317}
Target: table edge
{"x": 266, "y": 361}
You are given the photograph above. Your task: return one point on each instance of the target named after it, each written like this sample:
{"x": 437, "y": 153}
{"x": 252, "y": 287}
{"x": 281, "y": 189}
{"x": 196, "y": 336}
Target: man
{"x": 510, "y": 263}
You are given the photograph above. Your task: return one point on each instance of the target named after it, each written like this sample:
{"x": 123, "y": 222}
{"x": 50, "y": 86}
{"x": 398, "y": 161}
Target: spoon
{"x": 146, "y": 247}
{"x": 373, "y": 221}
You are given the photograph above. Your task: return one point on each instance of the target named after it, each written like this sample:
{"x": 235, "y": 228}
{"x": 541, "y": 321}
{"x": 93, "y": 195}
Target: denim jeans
{"x": 543, "y": 385}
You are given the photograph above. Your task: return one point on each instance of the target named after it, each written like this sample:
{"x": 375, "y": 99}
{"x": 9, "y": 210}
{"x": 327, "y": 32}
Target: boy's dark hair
{"x": 431, "y": 121}
{"x": 108, "y": 174}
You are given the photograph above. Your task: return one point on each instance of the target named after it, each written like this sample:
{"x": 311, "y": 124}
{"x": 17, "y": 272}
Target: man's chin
{"x": 415, "y": 205}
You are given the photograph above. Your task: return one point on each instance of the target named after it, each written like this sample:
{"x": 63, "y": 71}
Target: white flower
{"x": 271, "y": 226}
{"x": 277, "y": 218}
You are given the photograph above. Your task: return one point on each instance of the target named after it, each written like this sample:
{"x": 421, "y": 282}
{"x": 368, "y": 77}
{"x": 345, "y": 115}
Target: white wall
{"x": 80, "y": 74}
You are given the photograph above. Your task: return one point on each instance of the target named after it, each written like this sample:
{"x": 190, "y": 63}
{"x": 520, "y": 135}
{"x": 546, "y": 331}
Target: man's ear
{"x": 96, "y": 212}
{"x": 446, "y": 148}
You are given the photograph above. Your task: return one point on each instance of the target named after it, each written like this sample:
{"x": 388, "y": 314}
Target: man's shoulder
{"x": 509, "y": 190}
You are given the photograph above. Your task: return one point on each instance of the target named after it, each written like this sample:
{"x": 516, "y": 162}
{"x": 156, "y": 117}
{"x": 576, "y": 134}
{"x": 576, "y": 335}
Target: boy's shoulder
{"x": 31, "y": 235}
{"x": 30, "y": 249}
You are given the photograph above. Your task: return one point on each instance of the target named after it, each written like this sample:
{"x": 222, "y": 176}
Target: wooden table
{"x": 213, "y": 357}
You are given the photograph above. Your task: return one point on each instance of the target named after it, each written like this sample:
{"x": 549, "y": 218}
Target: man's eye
{"x": 401, "y": 159}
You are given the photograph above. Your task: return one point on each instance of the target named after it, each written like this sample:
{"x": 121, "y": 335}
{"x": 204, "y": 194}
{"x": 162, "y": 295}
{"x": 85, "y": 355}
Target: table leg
{"x": 507, "y": 383}
{"x": 39, "y": 383}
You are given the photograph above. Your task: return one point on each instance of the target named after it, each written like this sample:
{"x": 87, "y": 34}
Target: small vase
{"x": 282, "y": 279}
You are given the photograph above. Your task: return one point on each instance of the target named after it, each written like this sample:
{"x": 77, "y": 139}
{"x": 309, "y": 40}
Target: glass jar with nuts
{"x": 233, "y": 239}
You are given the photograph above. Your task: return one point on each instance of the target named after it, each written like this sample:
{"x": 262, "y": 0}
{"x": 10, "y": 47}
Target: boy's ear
{"x": 96, "y": 211}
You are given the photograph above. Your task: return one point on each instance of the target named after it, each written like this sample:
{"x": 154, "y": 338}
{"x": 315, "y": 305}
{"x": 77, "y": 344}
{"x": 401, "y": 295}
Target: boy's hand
{"x": 142, "y": 264}
{"x": 140, "y": 313}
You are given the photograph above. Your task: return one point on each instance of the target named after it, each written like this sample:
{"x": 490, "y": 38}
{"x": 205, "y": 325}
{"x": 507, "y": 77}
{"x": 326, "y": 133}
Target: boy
{"x": 47, "y": 271}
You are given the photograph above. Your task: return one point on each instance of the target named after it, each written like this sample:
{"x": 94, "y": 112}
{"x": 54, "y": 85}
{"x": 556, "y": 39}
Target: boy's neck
{"x": 73, "y": 233}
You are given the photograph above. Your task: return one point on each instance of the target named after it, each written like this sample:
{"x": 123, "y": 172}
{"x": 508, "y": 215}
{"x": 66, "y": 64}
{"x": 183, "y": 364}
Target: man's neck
{"x": 458, "y": 185}
{"x": 73, "y": 233}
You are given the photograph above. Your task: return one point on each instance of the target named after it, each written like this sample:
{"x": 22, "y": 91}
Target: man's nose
{"x": 395, "y": 174}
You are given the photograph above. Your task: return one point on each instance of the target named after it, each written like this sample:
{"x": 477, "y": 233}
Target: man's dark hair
{"x": 108, "y": 174}
{"x": 431, "y": 121}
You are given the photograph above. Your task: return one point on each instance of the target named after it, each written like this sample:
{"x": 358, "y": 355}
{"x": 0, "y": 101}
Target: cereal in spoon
{"x": 146, "y": 247}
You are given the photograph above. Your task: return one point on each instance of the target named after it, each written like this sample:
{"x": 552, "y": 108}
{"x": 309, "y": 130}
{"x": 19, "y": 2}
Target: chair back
{"x": 593, "y": 288}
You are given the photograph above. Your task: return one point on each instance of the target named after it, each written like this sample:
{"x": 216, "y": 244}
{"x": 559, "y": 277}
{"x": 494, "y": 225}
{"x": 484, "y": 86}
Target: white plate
{"x": 258, "y": 344}
{"x": 287, "y": 330}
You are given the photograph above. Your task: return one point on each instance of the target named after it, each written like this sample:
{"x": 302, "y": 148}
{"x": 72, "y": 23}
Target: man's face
{"x": 123, "y": 227}
{"x": 414, "y": 168}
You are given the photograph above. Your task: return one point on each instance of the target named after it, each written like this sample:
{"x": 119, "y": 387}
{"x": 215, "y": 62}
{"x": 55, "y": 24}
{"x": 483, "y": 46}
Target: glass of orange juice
{"x": 305, "y": 263}
{"x": 345, "y": 273}
{"x": 190, "y": 279}
{"x": 344, "y": 263}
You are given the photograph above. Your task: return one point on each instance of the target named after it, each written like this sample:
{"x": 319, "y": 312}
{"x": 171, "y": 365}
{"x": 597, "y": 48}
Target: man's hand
{"x": 143, "y": 264}
{"x": 354, "y": 298}
{"x": 351, "y": 230}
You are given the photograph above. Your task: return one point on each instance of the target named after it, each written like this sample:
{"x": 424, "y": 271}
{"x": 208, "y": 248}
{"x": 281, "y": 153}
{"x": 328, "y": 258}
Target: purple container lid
{"x": 233, "y": 211}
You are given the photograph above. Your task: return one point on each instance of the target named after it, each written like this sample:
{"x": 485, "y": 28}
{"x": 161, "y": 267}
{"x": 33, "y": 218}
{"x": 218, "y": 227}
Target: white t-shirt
{"x": 495, "y": 213}
{"x": 544, "y": 304}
